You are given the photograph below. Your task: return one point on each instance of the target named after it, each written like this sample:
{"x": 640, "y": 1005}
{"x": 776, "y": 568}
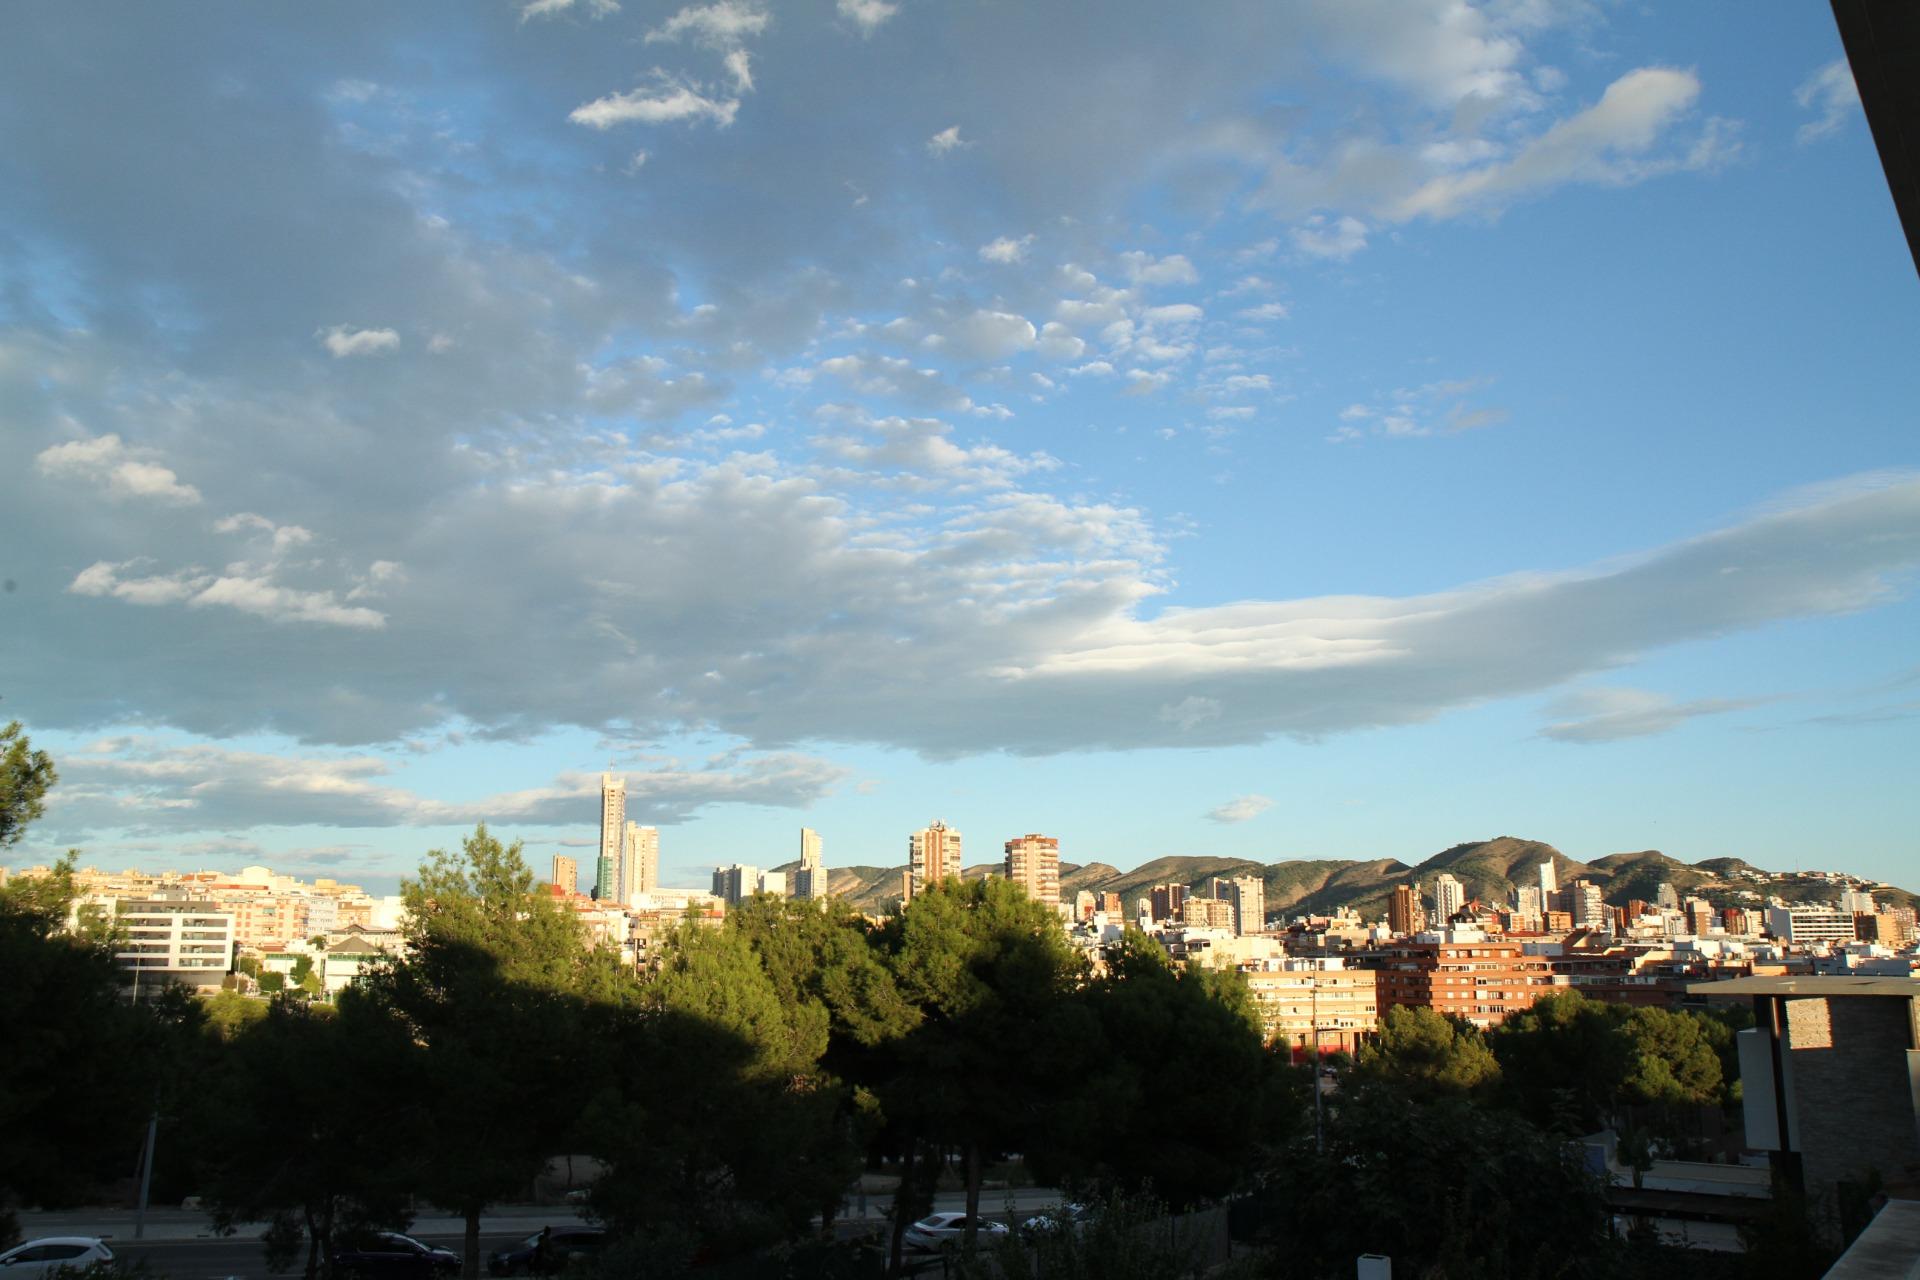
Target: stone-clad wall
{"x": 1852, "y": 1092}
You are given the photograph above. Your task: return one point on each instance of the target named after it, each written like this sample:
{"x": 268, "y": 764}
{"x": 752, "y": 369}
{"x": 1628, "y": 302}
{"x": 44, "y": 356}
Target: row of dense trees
{"x": 1568, "y": 1064}
{"x": 732, "y": 1093}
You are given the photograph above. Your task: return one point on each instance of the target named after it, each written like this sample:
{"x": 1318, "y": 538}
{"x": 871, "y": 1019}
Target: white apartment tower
{"x": 732, "y": 884}
{"x": 639, "y": 862}
{"x": 1449, "y": 896}
{"x": 1549, "y": 884}
{"x": 810, "y": 880}
{"x": 1248, "y": 894}
{"x": 1033, "y": 862}
{"x": 933, "y": 855}
{"x": 613, "y": 822}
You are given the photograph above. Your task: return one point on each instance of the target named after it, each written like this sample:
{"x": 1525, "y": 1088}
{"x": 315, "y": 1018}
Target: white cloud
{"x": 550, "y": 8}
{"x": 1336, "y": 238}
{"x": 1241, "y": 809}
{"x": 991, "y": 335}
{"x": 895, "y": 376}
{"x": 946, "y": 140}
{"x": 122, "y": 472}
{"x": 1263, "y": 312}
{"x": 1190, "y": 712}
{"x": 149, "y": 786}
{"x": 1006, "y": 249}
{"x": 246, "y": 593}
{"x": 925, "y": 446}
{"x": 1606, "y": 144}
{"x": 343, "y": 342}
{"x": 1608, "y": 715}
{"x": 718, "y": 26}
{"x": 670, "y": 99}
{"x": 739, "y": 64}
{"x": 1145, "y": 269}
{"x": 1057, "y": 342}
{"x": 1438, "y": 408}
{"x": 1831, "y": 91}
{"x": 868, "y": 15}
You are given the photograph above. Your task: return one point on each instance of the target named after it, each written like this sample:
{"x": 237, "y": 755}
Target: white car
{"x": 938, "y": 1229}
{"x": 1059, "y": 1217}
{"x": 46, "y": 1256}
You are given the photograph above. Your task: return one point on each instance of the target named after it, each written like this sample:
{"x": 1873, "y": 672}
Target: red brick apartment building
{"x": 1481, "y": 980}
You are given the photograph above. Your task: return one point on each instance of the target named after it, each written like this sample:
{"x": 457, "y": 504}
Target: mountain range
{"x": 1490, "y": 869}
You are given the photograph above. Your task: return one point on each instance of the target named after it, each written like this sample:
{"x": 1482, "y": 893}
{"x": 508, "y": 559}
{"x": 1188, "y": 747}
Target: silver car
{"x": 45, "y": 1256}
{"x": 938, "y": 1229}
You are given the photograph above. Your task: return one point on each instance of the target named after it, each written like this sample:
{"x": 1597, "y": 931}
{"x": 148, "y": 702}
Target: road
{"x": 179, "y": 1245}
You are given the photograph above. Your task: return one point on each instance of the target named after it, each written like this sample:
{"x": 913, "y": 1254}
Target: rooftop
{"x": 1809, "y": 985}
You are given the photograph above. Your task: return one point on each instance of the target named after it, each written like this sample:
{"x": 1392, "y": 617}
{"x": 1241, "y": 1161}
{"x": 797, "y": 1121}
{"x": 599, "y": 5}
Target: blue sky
{"x": 1270, "y": 430}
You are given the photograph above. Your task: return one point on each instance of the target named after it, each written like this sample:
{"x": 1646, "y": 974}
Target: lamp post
{"x": 1319, "y": 1126}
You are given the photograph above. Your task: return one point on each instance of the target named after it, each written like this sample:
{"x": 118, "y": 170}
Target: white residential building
{"x": 1810, "y": 925}
{"x": 810, "y": 880}
{"x": 174, "y": 939}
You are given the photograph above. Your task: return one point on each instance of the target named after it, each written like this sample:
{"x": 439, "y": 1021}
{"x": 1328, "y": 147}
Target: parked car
{"x": 938, "y": 1229}
{"x": 564, "y": 1244}
{"x": 1056, "y": 1217}
{"x": 388, "y": 1255}
{"x": 45, "y": 1256}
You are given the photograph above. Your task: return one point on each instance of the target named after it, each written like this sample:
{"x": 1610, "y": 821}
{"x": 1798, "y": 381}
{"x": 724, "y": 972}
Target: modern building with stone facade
{"x": 1830, "y": 1082}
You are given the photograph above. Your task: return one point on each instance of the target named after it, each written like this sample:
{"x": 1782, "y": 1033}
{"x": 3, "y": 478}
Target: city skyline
{"x": 1294, "y": 431}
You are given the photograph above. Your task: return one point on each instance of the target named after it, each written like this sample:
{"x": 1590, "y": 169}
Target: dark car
{"x": 388, "y": 1255}
{"x": 529, "y": 1257}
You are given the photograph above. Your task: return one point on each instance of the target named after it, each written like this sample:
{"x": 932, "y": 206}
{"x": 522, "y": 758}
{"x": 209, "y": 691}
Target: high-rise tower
{"x": 1033, "y": 862}
{"x": 810, "y": 880}
{"x": 613, "y": 821}
{"x": 1403, "y": 910}
{"x": 639, "y": 862}
{"x": 933, "y": 855}
{"x": 1248, "y": 894}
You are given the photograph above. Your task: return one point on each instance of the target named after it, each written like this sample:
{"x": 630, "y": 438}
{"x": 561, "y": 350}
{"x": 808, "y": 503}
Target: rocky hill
{"x": 1490, "y": 869}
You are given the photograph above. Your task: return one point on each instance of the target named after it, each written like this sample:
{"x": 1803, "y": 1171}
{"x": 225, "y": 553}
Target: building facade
{"x": 1208, "y": 913}
{"x": 733, "y": 883}
{"x": 639, "y": 862}
{"x": 810, "y": 880}
{"x": 1033, "y": 863}
{"x": 1806, "y": 925}
{"x": 566, "y": 874}
{"x": 933, "y": 855}
{"x": 613, "y": 825}
{"x": 1464, "y": 973}
{"x": 1449, "y": 897}
{"x": 173, "y": 940}
{"x": 1303, "y": 1002}
{"x": 1248, "y": 895}
{"x": 1167, "y": 902}
{"x": 1403, "y": 910}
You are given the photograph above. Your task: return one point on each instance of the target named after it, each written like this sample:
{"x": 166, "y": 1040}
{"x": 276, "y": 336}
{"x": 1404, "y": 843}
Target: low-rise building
{"x": 1461, "y": 972}
{"x": 173, "y": 939}
{"x": 1303, "y": 1002}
